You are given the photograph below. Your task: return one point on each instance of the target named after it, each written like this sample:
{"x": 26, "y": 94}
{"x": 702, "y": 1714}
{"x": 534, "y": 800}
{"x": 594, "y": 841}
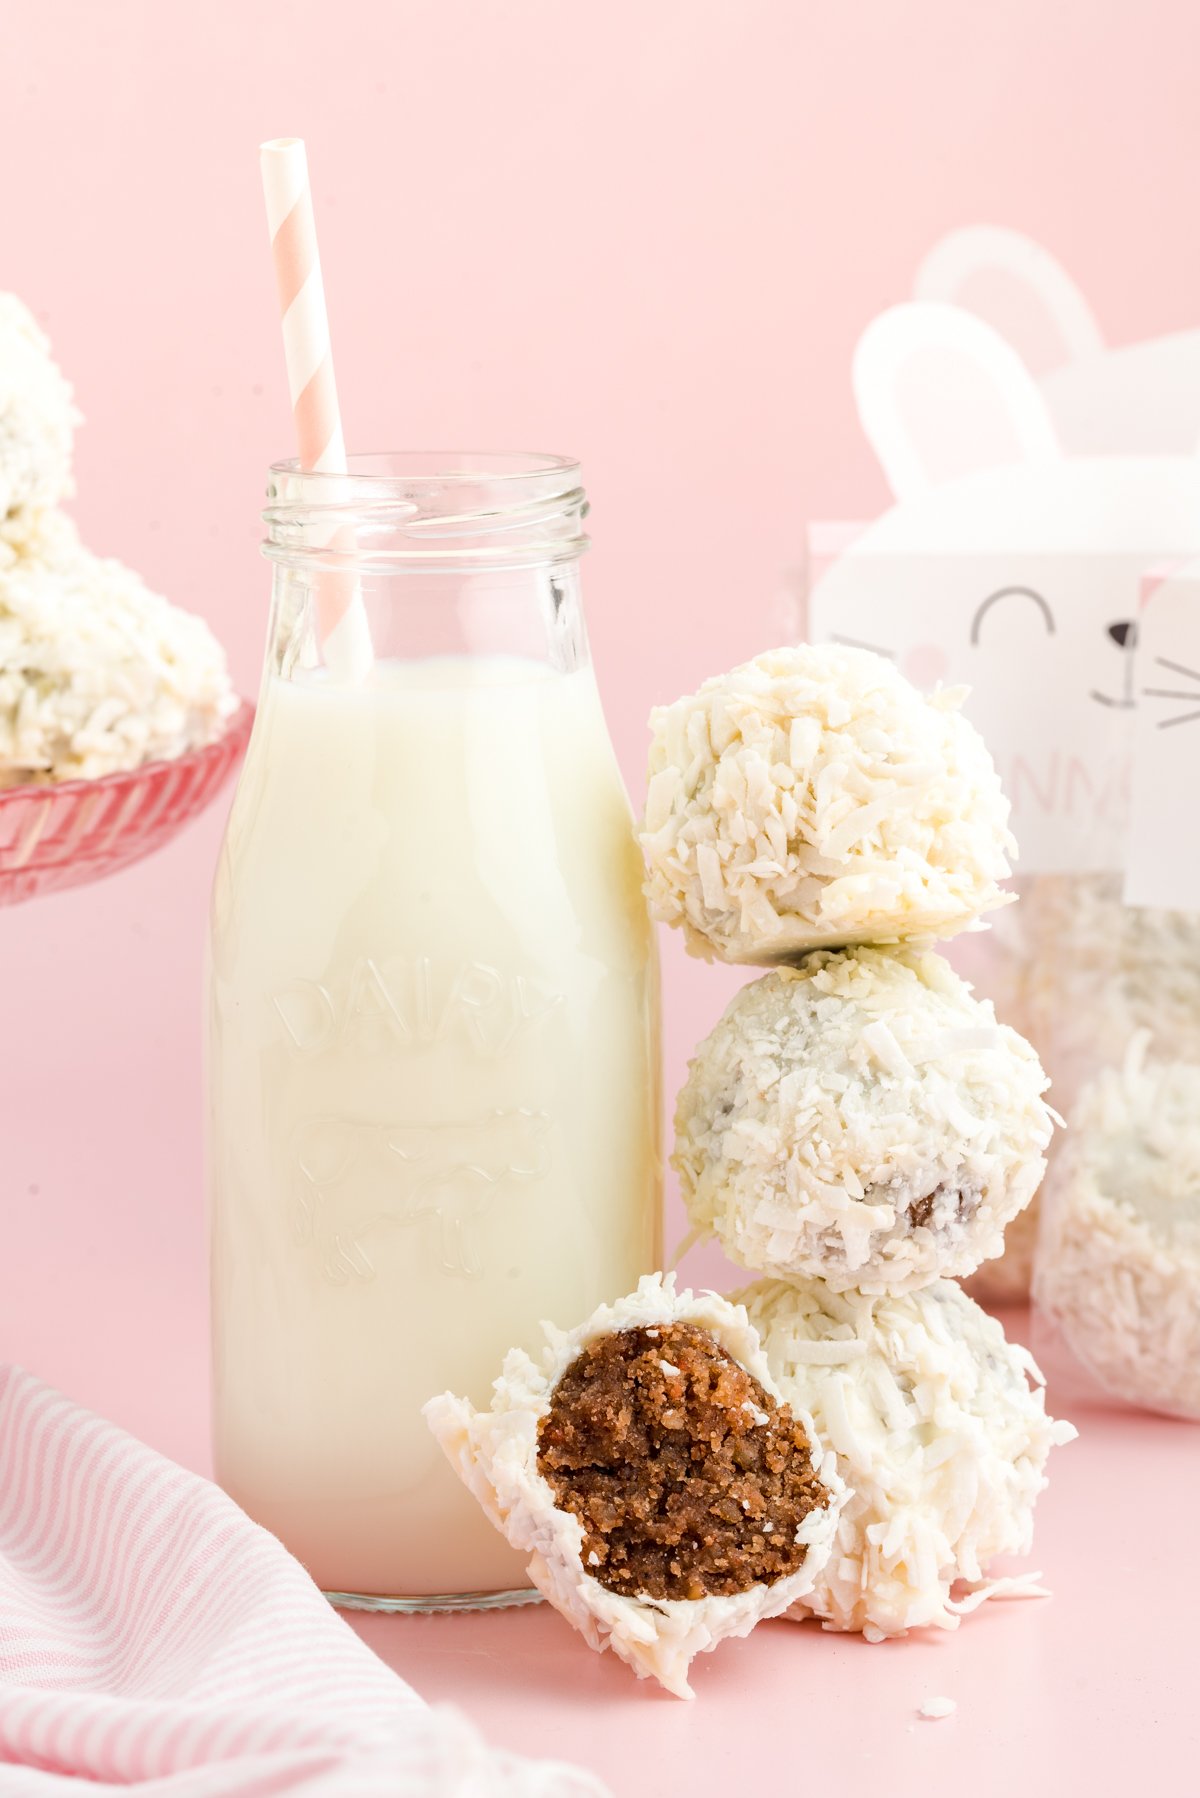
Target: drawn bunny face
{"x": 1132, "y": 399}
{"x": 1008, "y": 567}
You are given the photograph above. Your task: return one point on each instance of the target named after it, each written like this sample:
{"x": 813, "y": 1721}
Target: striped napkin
{"x": 152, "y": 1637}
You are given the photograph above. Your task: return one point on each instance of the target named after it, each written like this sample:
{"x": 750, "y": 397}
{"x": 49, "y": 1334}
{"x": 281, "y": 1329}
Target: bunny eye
{"x": 1002, "y": 593}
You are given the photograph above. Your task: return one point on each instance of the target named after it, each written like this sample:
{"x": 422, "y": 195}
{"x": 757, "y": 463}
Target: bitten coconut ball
{"x": 37, "y": 416}
{"x": 665, "y": 1494}
{"x": 813, "y": 797}
{"x": 861, "y": 1119}
{"x": 97, "y": 673}
{"x": 941, "y": 1436}
{"x": 1118, "y": 1264}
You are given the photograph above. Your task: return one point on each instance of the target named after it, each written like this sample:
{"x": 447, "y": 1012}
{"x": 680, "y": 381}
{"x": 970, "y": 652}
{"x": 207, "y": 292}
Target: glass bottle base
{"x": 438, "y": 1601}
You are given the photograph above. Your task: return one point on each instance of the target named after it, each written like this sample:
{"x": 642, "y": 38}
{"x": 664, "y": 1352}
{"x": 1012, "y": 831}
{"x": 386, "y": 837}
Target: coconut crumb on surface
{"x": 934, "y": 1709}
{"x": 813, "y": 797}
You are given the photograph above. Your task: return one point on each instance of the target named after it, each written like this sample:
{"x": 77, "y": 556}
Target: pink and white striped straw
{"x": 341, "y": 616}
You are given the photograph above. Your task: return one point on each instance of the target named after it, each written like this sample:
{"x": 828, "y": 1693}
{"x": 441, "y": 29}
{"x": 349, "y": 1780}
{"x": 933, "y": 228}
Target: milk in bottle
{"x": 433, "y": 1029}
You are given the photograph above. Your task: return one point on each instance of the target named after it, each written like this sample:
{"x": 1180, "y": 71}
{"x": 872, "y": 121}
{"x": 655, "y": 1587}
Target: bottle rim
{"x": 418, "y": 508}
{"x": 384, "y": 468}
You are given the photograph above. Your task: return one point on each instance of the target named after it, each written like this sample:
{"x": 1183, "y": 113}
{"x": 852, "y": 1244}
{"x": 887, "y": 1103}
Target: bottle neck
{"x": 533, "y": 614}
{"x": 433, "y": 556}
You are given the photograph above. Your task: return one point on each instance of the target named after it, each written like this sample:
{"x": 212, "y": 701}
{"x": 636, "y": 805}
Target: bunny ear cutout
{"x": 941, "y": 395}
{"x": 1015, "y": 286}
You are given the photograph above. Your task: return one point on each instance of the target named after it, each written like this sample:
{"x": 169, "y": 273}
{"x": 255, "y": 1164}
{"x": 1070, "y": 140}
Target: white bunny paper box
{"x": 1123, "y": 399}
{"x": 1008, "y": 565}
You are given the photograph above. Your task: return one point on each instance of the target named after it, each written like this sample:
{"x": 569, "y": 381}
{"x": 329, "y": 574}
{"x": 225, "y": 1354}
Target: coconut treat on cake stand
{"x": 37, "y": 423}
{"x": 118, "y": 721}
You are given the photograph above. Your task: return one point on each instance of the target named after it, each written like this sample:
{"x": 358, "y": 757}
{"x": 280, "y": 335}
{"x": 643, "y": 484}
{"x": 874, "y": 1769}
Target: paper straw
{"x": 341, "y": 617}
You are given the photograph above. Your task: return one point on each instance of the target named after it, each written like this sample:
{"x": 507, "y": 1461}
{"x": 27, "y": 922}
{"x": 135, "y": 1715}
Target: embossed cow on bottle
{"x": 356, "y": 1180}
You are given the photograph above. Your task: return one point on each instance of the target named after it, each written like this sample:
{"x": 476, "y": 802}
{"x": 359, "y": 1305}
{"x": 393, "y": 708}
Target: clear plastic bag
{"x": 1110, "y": 996}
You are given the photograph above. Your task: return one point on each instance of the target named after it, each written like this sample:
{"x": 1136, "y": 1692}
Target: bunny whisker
{"x": 1178, "y": 668}
{"x": 1183, "y": 718}
{"x": 1123, "y": 704}
{"x": 1166, "y": 693}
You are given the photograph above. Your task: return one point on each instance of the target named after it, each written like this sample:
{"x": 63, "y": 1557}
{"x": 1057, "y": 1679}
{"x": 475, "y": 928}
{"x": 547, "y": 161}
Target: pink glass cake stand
{"x": 82, "y": 830}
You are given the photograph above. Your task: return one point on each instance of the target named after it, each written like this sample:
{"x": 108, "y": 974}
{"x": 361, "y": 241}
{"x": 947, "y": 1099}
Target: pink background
{"x": 646, "y": 234}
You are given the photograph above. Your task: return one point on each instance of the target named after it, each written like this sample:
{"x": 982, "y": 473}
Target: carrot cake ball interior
{"x": 688, "y": 1478}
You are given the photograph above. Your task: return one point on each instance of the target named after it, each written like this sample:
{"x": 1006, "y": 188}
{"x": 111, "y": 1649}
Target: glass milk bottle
{"x": 433, "y": 1055}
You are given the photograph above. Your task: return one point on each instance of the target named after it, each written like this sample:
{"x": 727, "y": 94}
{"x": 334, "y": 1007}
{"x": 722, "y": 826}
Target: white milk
{"x": 434, "y": 1092}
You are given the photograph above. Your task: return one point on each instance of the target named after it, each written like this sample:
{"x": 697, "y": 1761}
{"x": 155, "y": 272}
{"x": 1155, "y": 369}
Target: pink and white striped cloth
{"x": 152, "y": 1637}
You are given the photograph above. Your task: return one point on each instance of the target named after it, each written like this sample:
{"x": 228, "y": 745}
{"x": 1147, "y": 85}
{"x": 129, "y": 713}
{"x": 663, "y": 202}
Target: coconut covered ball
{"x": 1118, "y": 1265}
{"x": 997, "y": 963}
{"x": 1007, "y": 1280}
{"x": 666, "y": 1496}
{"x": 1101, "y": 971}
{"x": 37, "y": 417}
{"x": 813, "y": 797}
{"x": 941, "y": 1436}
{"x": 861, "y": 1119}
{"x": 97, "y": 673}
{"x": 1082, "y": 973}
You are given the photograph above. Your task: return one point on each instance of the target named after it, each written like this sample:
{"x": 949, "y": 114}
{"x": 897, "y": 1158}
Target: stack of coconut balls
{"x": 97, "y": 673}
{"x": 851, "y": 1437}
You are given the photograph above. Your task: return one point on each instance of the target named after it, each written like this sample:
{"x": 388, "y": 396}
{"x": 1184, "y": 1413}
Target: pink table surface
{"x": 103, "y": 1292}
{"x": 1092, "y": 1690}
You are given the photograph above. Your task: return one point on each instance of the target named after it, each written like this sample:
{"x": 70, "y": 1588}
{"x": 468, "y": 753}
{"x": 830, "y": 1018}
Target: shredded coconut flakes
{"x": 941, "y": 1436}
{"x": 37, "y": 417}
{"x": 1118, "y": 1265}
{"x": 808, "y": 1154}
{"x": 812, "y": 797}
{"x": 97, "y": 673}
